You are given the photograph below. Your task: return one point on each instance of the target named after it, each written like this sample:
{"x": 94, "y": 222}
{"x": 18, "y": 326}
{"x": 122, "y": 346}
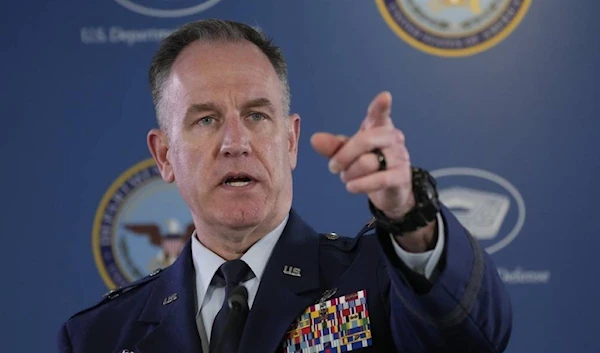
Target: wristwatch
{"x": 426, "y": 206}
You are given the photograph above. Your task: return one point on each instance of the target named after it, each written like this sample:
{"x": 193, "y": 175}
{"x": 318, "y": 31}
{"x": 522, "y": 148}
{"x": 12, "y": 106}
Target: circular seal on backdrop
{"x": 488, "y": 205}
{"x": 453, "y": 27}
{"x": 161, "y": 8}
{"x": 141, "y": 224}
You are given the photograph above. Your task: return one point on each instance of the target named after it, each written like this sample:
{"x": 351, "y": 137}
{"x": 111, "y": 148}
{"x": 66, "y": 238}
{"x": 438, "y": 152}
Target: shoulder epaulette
{"x": 338, "y": 242}
{"x": 113, "y": 293}
{"x": 368, "y": 227}
{"x": 346, "y": 243}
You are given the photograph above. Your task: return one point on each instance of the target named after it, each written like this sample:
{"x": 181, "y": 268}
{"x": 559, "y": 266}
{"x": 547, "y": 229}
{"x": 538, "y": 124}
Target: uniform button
{"x": 331, "y": 236}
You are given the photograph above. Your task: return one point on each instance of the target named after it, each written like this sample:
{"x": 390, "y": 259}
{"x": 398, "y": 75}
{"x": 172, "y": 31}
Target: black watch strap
{"x": 424, "y": 212}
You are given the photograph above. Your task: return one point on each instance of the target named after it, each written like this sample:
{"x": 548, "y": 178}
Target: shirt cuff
{"x": 423, "y": 263}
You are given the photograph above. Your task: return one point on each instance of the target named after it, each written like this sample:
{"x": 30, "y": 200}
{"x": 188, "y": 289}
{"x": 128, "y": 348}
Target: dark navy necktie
{"x": 231, "y": 273}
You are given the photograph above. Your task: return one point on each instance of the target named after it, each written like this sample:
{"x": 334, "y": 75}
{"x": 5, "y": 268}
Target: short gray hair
{"x": 211, "y": 30}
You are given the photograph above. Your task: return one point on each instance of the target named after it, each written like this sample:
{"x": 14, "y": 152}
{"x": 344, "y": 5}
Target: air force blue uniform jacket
{"x": 463, "y": 308}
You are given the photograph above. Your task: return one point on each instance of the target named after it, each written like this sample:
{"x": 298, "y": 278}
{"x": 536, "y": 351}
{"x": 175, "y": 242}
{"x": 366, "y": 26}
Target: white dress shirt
{"x": 210, "y": 297}
{"x": 206, "y": 263}
{"x": 423, "y": 263}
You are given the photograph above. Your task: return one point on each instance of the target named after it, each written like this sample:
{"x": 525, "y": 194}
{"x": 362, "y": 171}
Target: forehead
{"x": 209, "y": 71}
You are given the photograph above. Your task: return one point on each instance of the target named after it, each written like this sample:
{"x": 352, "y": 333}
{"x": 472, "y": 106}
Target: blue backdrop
{"x": 508, "y": 126}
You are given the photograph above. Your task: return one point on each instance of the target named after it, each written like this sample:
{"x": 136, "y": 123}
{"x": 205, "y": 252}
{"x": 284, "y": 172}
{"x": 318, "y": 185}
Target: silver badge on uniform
{"x": 171, "y": 298}
{"x": 292, "y": 271}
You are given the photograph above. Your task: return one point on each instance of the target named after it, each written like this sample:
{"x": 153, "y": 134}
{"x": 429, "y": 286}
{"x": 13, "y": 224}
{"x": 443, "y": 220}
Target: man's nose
{"x": 236, "y": 140}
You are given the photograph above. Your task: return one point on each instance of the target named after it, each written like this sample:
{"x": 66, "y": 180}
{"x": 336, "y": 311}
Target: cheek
{"x": 278, "y": 148}
{"x": 279, "y": 157}
{"x": 179, "y": 163}
{"x": 187, "y": 162}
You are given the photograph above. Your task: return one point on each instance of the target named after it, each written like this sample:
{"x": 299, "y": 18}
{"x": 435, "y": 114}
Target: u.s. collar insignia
{"x": 292, "y": 271}
{"x": 171, "y": 298}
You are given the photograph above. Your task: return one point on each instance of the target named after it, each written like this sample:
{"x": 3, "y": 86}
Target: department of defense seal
{"x": 453, "y": 27}
{"x": 141, "y": 225}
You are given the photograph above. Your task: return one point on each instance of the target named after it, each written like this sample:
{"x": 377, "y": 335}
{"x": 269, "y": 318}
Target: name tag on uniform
{"x": 336, "y": 325}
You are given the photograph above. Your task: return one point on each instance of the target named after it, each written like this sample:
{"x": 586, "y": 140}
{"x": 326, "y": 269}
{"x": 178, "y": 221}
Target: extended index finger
{"x": 379, "y": 112}
{"x": 327, "y": 144}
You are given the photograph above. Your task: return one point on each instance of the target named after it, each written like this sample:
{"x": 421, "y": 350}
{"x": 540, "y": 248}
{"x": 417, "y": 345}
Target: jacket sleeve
{"x": 464, "y": 307}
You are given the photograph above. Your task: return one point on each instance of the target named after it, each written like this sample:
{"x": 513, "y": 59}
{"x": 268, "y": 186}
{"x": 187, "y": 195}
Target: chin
{"x": 241, "y": 216}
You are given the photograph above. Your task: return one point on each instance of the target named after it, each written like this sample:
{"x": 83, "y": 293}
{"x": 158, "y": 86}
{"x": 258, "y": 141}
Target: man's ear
{"x": 293, "y": 137}
{"x": 158, "y": 143}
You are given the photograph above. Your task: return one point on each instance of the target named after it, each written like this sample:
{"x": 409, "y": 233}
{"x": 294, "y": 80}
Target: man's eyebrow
{"x": 260, "y": 102}
{"x": 254, "y": 103}
{"x": 201, "y": 107}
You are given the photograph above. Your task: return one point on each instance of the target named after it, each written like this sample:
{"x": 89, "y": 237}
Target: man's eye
{"x": 257, "y": 116}
{"x": 207, "y": 120}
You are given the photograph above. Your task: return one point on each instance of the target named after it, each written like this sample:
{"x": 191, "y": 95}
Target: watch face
{"x": 425, "y": 194}
{"x": 430, "y": 193}
{"x": 425, "y": 191}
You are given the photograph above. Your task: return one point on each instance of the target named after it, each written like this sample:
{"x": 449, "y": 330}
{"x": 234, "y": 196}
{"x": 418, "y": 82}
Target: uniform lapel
{"x": 171, "y": 309}
{"x": 282, "y": 297}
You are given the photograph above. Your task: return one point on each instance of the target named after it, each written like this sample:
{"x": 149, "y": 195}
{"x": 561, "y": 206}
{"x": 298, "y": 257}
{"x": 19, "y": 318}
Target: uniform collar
{"x": 206, "y": 263}
{"x": 282, "y": 296}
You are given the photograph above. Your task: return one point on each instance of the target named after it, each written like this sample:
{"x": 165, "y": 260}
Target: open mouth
{"x": 237, "y": 180}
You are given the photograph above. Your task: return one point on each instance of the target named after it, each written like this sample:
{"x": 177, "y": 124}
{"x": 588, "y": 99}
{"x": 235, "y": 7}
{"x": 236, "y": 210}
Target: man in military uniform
{"x": 413, "y": 280}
